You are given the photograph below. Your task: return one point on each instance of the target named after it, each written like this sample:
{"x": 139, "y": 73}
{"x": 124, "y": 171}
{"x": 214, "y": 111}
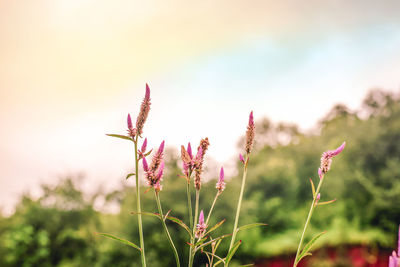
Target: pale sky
{"x": 70, "y": 72}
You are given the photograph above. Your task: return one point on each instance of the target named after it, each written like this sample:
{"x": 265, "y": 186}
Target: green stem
{"x": 189, "y": 199}
{"x": 196, "y": 213}
{"x": 212, "y": 207}
{"x": 239, "y": 204}
{"x": 166, "y": 229}
{"x": 138, "y": 207}
{"x": 308, "y": 220}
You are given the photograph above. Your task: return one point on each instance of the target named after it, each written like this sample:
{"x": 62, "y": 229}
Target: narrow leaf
{"x": 129, "y": 175}
{"x": 213, "y": 240}
{"x": 124, "y": 241}
{"x": 215, "y": 227}
{"x": 248, "y": 226}
{"x": 173, "y": 219}
{"x": 312, "y": 187}
{"x": 216, "y": 256}
{"x": 306, "y": 250}
{"x": 326, "y": 202}
{"x": 232, "y": 251}
{"x": 120, "y": 136}
{"x": 247, "y": 265}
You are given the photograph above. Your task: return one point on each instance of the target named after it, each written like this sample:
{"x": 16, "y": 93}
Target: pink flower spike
{"x": 221, "y": 175}
{"x": 201, "y": 217}
{"x": 189, "y": 150}
{"x": 147, "y": 95}
{"x": 251, "y": 118}
{"x": 337, "y": 151}
{"x": 161, "y": 148}
{"x": 145, "y": 165}
{"x": 241, "y": 158}
{"x": 160, "y": 171}
{"x": 144, "y": 146}
{"x": 129, "y": 122}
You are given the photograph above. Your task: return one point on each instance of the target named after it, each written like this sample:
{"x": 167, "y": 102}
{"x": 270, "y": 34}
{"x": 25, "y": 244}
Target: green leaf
{"x": 306, "y": 250}
{"x": 120, "y": 136}
{"x": 215, "y": 227}
{"x": 326, "y": 202}
{"x": 216, "y": 256}
{"x": 232, "y": 251}
{"x": 213, "y": 240}
{"x": 173, "y": 219}
{"x": 248, "y": 226}
{"x": 129, "y": 175}
{"x": 247, "y": 265}
{"x": 124, "y": 241}
{"x": 313, "y": 188}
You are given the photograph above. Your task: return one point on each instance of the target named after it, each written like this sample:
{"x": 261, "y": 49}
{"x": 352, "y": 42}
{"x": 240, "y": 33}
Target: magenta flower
{"x": 145, "y": 165}
{"x": 220, "y": 184}
{"x": 131, "y": 130}
{"x": 241, "y": 158}
{"x": 144, "y": 111}
{"x": 394, "y": 259}
{"x": 250, "y": 134}
{"x": 155, "y": 172}
{"x": 201, "y": 226}
{"x": 189, "y": 150}
{"x": 326, "y": 159}
{"x": 144, "y": 146}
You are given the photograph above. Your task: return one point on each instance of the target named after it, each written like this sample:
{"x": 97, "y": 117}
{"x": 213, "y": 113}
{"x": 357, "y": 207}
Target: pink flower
{"x": 241, "y": 158}
{"x": 250, "y": 134}
{"x": 189, "y": 150}
{"x": 326, "y": 159}
{"x": 145, "y": 165}
{"x": 201, "y": 226}
{"x": 144, "y": 146}
{"x": 220, "y": 184}
{"x": 129, "y": 122}
{"x": 394, "y": 259}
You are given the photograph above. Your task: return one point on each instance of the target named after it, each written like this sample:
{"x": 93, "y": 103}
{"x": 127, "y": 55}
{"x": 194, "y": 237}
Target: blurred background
{"x": 315, "y": 73}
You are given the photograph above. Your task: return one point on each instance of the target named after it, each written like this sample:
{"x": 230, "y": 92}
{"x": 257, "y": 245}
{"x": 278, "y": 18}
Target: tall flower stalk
{"x": 326, "y": 161}
{"x": 154, "y": 175}
{"x": 248, "y": 148}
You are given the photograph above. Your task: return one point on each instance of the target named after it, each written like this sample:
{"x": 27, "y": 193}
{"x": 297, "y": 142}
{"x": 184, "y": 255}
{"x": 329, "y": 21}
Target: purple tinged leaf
{"x": 398, "y": 244}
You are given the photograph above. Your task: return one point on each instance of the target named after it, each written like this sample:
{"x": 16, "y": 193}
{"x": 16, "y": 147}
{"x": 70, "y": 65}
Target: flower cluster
{"x": 250, "y": 134}
{"x": 201, "y": 226}
{"x": 198, "y": 168}
{"x": 220, "y": 184}
{"x": 326, "y": 159}
{"x": 155, "y": 172}
{"x": 142, "y": 117}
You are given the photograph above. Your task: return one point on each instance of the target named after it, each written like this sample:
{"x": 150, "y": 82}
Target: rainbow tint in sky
{"x": 71, "y": 70}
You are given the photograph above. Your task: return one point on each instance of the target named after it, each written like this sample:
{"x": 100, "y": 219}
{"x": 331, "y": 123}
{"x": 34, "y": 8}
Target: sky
{"x": 70, "y": 72}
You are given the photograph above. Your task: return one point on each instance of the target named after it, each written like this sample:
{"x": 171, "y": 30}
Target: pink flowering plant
{"x": 200, "y": 234}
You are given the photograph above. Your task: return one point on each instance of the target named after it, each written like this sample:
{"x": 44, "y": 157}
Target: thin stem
{"x": 138, "y": 207}
{"x": 308, "y": 220}
{"x": 239, "y": 204}
{"x": 166, "y": 229}
{"x": 212, "y": 207}
{"x": 189, "y": 199}
{"x": 196, "y": 213}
